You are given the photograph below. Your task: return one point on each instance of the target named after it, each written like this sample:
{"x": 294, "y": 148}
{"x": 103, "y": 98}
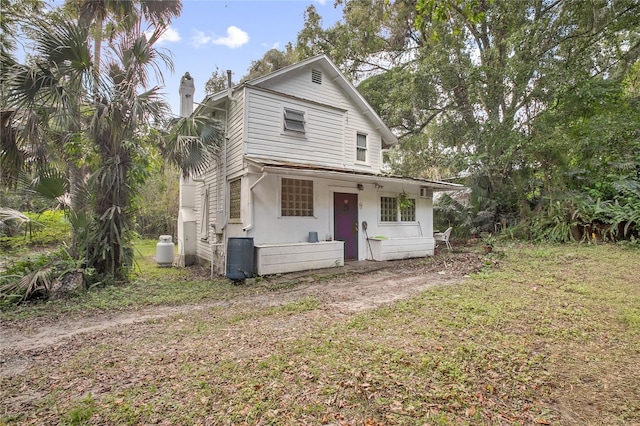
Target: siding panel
{"x": 322, "y": 143}
{"x": 299, "y": 84}
{"x": 280, "y": 258}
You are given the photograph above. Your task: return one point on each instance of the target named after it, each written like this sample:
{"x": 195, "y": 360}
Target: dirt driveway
{"x": 342, "y": 291}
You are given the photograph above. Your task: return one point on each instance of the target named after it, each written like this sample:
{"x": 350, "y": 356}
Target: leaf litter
{"x": 317, "y": 351}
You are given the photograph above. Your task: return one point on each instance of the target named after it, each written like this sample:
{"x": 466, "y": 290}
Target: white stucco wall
{"x": 271, "y": 228}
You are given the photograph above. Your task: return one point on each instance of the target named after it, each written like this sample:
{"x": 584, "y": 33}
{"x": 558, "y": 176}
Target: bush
{"x": 32, "y": 277}
{"x": 45, "y": 229}
{"x": 157, "y": 213}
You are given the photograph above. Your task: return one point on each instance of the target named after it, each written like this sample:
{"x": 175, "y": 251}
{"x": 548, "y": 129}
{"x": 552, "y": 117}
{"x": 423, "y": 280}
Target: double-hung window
{"x": 296, "y": 197}
{"x": 361, "y": 147}
{"x": 294, "y": 120}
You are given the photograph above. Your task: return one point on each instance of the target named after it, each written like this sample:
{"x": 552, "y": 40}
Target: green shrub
{"x": 45, "y": 229}
{"x": 31, "y": 277}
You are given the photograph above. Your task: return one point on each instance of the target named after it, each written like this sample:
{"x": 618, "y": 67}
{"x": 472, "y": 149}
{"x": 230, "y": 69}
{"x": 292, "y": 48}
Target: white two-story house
{"x": 299, "y": 183}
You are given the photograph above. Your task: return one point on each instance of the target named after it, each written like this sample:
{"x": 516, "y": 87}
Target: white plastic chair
{"x": 444, "y": 236}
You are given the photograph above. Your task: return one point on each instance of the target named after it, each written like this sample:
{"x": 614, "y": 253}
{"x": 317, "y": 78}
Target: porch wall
{"x": 399, "y": 248}
{"x": 280, "y": 258}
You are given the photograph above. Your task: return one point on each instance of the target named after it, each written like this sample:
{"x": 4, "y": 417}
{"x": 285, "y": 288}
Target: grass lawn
{"x": 551, "y": 336}
{"x": 151, "y": 286}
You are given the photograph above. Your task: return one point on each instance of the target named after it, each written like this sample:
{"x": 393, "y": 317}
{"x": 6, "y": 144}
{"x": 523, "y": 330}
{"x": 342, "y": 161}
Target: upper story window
{"x": 294, "y": 120}
{"x": 234, "y": 199}
{"x": 296, "y": 197}
{"x": 361, "y": 147}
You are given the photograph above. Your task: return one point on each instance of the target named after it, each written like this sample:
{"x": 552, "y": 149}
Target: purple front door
{"x": 345, "y": 219}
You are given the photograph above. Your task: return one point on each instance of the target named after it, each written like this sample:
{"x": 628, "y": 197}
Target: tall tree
{"x": 111, "y": 17}
{"x": 500, "y": 64}
{"x": 271, "y": 61}
{"x": 59, "y": 89}
{"x": 48, "y": 95}
{"x": 463, "y": 82}
{"x": 126, "y": 102}
{"x": 217, "y": 82}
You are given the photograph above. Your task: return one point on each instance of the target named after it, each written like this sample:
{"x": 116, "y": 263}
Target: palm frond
{"x": 50, "y": 183}
{"x": 32, "y": 285}
{"x": 11, "y": 217}
{"x": 194, "y": 142}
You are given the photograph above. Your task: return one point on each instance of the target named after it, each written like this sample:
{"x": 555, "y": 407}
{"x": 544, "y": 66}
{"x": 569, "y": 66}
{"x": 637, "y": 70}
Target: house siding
{"x": 299, "y": 85}
{"x": 217, "y": 184}
{"x": 321, "y": 144}
{"x": 235, "y": 134}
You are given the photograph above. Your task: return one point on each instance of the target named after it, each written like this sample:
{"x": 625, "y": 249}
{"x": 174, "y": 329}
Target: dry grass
{"x": 551, "y": 337}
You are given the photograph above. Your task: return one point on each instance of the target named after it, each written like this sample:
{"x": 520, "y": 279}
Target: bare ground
{"x": 342, "y": 291}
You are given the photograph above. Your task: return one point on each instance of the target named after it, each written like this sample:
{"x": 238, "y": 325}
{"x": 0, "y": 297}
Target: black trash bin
{"x": 240, "y": 258}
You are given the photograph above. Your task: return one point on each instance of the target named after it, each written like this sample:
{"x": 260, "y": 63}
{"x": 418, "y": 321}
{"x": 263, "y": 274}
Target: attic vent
{"x": 316, "y": 76}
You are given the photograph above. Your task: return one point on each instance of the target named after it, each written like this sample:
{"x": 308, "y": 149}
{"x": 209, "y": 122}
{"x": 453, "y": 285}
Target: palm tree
{"x": 122, "y": 107}
{"x": 51, "y": 98}
{"x": 112, "y": 17}
{"x": 65, "y": 103}
{"x": 45, "y": 99}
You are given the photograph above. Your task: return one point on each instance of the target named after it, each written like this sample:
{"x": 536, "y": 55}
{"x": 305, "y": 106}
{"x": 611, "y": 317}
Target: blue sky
{"x": 230, "y": 34}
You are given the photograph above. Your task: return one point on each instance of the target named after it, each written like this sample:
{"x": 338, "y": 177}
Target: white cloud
{"x": 275, "y": 45}
{"x": 170, "y": 36}
{"x": 322, "y": 2}
{"x": 235, "y": 38}
{"x": 200, "y": 39}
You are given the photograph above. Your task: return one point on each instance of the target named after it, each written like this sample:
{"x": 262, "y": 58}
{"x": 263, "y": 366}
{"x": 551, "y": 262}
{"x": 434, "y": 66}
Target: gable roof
{"x": 388, "y": 138}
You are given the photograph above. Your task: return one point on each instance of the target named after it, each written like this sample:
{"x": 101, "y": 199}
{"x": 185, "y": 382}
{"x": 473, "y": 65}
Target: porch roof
{"x": 310, "y": 170}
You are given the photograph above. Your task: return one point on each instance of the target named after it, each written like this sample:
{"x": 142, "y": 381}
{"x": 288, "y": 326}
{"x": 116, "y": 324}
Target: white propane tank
{"x": 164, "y": 251}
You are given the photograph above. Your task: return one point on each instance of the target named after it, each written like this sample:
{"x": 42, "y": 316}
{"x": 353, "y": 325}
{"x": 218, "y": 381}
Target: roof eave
{"x": 349, "y": 175}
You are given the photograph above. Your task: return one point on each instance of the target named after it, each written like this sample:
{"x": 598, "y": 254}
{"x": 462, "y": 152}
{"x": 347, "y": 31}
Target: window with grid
{"x": 361, "y": 149}
{"x": 296, "y": 197}
{"x": 294, "y": 120}
{"x": 388, "y": 209}
{"x": 408, "y": 211}
{"x": 234, "y": 199}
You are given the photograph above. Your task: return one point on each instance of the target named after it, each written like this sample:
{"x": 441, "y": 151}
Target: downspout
{"x": 249, "y": 227}
{"x": 224, "y": 158}
{"x": 224, "y": 173}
